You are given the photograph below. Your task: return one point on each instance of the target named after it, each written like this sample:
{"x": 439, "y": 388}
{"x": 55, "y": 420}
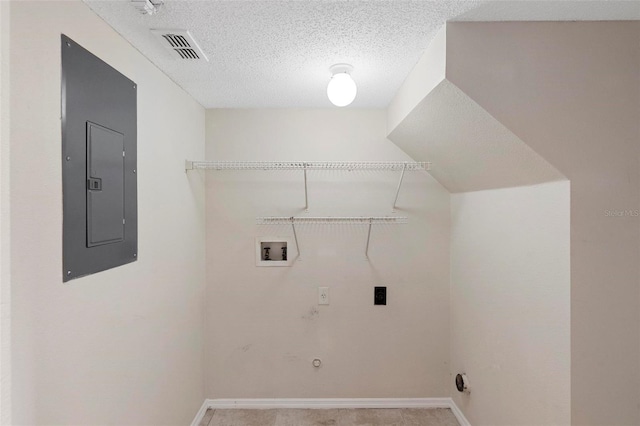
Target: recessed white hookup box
{"x": 274, "y": 251}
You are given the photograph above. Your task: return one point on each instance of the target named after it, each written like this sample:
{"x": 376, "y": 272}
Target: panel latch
{"x": 94, "y": 184}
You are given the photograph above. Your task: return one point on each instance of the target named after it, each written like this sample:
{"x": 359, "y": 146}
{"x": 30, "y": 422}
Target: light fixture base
{"x": 341, "y": 68}
{"x": 341, "y": 89}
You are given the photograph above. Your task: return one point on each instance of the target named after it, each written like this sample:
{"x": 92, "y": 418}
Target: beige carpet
{"x": 333, "y": 417}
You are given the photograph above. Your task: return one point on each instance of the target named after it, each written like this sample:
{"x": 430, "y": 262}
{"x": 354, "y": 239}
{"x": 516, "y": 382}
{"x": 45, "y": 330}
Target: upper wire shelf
{"x": 304, "y": 166}
{"x": 309, "y": 165}
{"x": 329, "y": 220}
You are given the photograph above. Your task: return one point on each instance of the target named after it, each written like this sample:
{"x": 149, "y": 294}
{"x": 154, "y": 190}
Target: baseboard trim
{"x": 326, "y": 403}
{"x": 458, "y": 413}
{"x": 201, "y": 412}
{"x": 320, "y": 403}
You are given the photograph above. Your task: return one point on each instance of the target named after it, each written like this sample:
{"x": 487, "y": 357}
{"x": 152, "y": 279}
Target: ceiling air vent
{"x": 182, "y": 43}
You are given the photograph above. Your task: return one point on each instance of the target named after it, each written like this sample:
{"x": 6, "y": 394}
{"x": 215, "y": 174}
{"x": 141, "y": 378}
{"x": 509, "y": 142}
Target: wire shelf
{"x": 309, "y": 165}
{"x": 304, "y": 166}
{"x": 331, "y": 220}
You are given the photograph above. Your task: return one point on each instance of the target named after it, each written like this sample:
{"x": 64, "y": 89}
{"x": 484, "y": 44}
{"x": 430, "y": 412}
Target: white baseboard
{"x": 459, "y": 415}
{"x": 200, "y": 415}
{"x": 326, "y": 403}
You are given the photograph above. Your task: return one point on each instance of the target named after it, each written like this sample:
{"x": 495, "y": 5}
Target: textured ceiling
{"x": 278, "y": 53}
{"x": 266, "y": 54}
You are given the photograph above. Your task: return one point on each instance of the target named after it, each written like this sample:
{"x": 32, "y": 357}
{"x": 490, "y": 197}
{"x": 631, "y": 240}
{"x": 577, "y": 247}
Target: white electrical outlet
{"x": 323, "y": 295}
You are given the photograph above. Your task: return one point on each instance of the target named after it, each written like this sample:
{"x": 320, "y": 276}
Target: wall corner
{"x": 428, "y": 72}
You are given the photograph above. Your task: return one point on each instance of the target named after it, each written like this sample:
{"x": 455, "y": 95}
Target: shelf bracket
{"x": 395, "y": 200}
{"x": 295, "y": 236}
{"x": 366, "y": 250}
{"x": 306, "y": 198}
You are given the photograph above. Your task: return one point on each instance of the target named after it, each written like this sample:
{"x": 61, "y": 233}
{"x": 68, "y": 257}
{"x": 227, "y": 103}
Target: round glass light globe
{"x": 341, "y": 89}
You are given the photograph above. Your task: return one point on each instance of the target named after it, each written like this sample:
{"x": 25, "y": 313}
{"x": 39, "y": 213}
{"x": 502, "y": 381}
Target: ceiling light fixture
{"x": 341, "y": 89}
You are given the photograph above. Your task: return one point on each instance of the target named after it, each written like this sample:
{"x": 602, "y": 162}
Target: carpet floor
{"x": 331, "y": 417}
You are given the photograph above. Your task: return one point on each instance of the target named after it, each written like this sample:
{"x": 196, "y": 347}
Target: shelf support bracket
{"x": 306, "y": 198}
{"x": 395, "y": 200}
{"x": 295, "y": 236}
{"x": 366, "y": 250}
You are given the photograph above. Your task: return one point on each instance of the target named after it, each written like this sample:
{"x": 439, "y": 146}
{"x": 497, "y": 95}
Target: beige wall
{"x": 264, "y": 325}
{"x": 5, "y": 276}
{"x": 423, "y": 78}
{"x": 123, "y": 346}
{"x": 470, "y": 150}
{"x": 510, "y": 285}
{"x": 571, "y": 91}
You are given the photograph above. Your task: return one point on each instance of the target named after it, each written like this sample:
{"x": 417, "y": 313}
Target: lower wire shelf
{"x": 331, "y": 220}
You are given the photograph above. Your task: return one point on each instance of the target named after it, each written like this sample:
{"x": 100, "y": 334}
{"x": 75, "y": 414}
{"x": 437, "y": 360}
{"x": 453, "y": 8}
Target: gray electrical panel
{"x": 99, "y": 134}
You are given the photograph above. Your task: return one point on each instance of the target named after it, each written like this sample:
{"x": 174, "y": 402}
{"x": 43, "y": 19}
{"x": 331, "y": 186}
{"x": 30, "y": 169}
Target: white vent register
{"x": 181, "y": 42}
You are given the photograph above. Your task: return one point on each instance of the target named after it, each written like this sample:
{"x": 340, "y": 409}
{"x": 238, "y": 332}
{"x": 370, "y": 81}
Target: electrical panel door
{"x": 105, "y": 186}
